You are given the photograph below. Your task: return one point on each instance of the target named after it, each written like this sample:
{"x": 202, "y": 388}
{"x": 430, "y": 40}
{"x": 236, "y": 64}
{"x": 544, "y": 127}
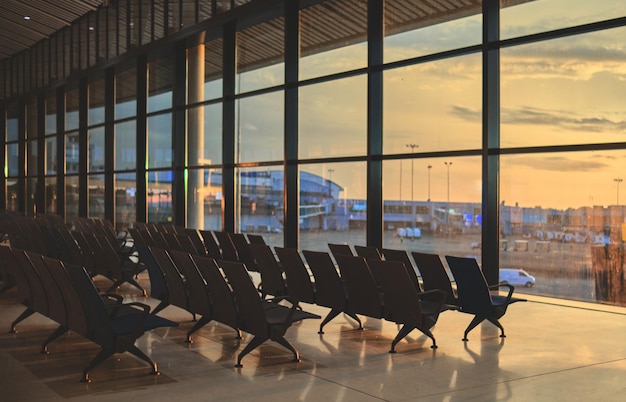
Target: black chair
{"x": 272, "y": 282}
{"x": 196, "y": 240}
{"x": 364, "y": 293}
{"x": 256, "y": 239}
{"x": 158, "y": 284}
{"x": 255, "y": 318}
{"x": 114, "y": 334}
{"x": 339, "y": 249}
{"x": 244, "y": 254}
{"x": 224, "y": 309}
{"x": 474, "y": 294}
{"x": 198, "y": 291}
{"x": 176, "y": 288}
{"x": 435, "y": 276}
{"x": 211, "y": 245}
{"x": 403, "y": 303}
{"x": 403, "y": 257}
{"x": 227, "y": 248}
{"x": 329, "y": 287}
{"x": 368, "y": 252}
{"x": 298, "y": 279}
{"x": 121, "y": 269}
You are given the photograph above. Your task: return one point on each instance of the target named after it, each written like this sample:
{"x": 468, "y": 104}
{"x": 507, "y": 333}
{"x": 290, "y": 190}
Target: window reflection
{"x": 125, "y": 200}
{"x": 95, "y": 196}
{"x": 204, "y": 199}
{"x": 260, "y": 127}
{"x": 126, "y": 145}
{"x": 160, "y": 196}
{"x": 160, "y": 141}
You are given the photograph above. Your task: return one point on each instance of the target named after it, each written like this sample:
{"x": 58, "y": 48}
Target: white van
{"x": 516, "y": 276}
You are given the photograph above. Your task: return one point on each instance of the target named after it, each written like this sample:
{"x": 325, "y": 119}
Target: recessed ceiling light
{"x": 27, "y": 17}
{"x": 91, "y": 28}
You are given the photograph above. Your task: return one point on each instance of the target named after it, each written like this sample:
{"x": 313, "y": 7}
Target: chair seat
{"x": 127, "y": 323}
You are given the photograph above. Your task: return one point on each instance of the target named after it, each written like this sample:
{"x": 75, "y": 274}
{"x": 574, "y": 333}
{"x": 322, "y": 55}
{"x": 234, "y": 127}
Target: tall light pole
{"x": 618, "y": 181}
{"x": 448, "y": 164}
{"x": 429, "y": 167}
{"x": 412, "y": 146}
{"x": 330, "y": 175}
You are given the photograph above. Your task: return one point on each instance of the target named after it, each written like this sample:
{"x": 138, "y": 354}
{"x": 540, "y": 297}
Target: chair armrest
{"x": 437, "y": 296}
{"x": 504, "y": 285}
{"x": 115, "y": 297}
{"x": 295, "y": 304}
{"x": 143, "y": 314}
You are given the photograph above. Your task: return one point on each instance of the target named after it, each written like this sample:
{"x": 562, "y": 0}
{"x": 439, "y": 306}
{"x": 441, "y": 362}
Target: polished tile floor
{"x": 555, "y": 351}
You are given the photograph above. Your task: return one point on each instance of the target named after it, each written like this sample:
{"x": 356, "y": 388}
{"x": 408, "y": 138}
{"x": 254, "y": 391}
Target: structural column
{"x": 195, "y": 136}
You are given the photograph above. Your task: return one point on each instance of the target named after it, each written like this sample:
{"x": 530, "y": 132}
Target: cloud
{"x": 561, "y": 164}
{"x": 528, "y": 115}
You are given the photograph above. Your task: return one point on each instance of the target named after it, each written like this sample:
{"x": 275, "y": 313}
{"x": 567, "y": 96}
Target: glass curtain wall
{"x": 411, "y": 124}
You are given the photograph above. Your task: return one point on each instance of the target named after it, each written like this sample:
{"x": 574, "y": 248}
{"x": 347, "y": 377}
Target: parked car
{"x": 515, "y": 276}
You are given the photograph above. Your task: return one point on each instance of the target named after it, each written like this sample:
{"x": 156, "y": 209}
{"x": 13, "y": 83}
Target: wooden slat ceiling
{"x": 46, "y": 17}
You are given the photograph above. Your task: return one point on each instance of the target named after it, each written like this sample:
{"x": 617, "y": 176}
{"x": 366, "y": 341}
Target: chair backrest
{"x": 471, "y": 285}
{"x": 403, "y": 257}
{"x": 197, "y": 291}
{"x": 222, "y": 300}
{"x": 74, "y": 308}
{"x": 434, "y": 275}
{"x": 196, "y": 240}
{"x": 368, "y": 252}
{"x": 339, "y": 249}
{"x": 7, "y": 259}
{"x": 402, "y": 304}
{"x": 175, "y": 285}
{"x": 56, "y": 304}
{"x": 363, "y": 291}
{"x": 329, "y": 290}
{"x": 272, "y": 282}
{"x": 243, "y": 250}
{"x": 158, "y": 287}
{"x": 252, "y": 317}
{"x": 228, "y": 250}
{"x": 212, "y": 248}
{"x": 256, "y": 239}
{"x": 186, "y": 244}
{"x": 38, "y": 292}
{"x": 98, "y": 322}
{"x": 298, "y": 278}
{"x": 172, "y": 241}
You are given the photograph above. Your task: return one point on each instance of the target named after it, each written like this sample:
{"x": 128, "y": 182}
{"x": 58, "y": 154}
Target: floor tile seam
{"x": 595, "y": 310}
{"x": 327, "y": 380}
{"x": 513, "y": 380}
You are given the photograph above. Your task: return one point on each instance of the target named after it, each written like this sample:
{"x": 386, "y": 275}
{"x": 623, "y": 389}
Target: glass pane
{"x": 564, "y": 91}
{"x": 12, "y": 195}
{"x": 260, "y": 56}
{"x": 332, "y": 204}
{"x": 95, "y": 196}
{"x": 213, "y": 54}
{"x": 12, "y": 159}
{"x": 205, "y": 148}
{"x": 71, "y": 109}
{"x": 260, "y": 203}
{"x": 51, "y": 195}
{"x": 563, "y": 222}
{"x": 51, "y": 155}
{"x": 413, "y": 28}
{"x": 96, "y": 150}
{"x": 260, "y": 128}
{"x": 71, "y": 153}
{"x": 433, "y": 205}
{"x": 435, "y": 105}
{"x": 125, "y": 200}
{"x": 333, "y": 118}
{"x": 160, "y": 197}
{"x": 204, "y": 202}
{"x": 32, "y": 158}
{"x": 160, "y": 84}
{"x": 31, "y": 196}
{"x": 12, "y": 123}
{"x": 96, "y": 102}
{"x": 126, "y": 146}
{"x": 160, "y": 152}
{"x": 31, "y": 119}
{"x": 51, "y": 114}
{"x": 529, "y": 17}
{"x": 126, "y": 94}
{"x": 333, "y": 37}
{"x": 71, "y": 198}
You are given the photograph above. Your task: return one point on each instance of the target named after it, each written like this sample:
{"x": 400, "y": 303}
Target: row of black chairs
{"x": 467, "y": 292}
{"x": 66, "y": 294}
{"x": 220, "y": 291}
